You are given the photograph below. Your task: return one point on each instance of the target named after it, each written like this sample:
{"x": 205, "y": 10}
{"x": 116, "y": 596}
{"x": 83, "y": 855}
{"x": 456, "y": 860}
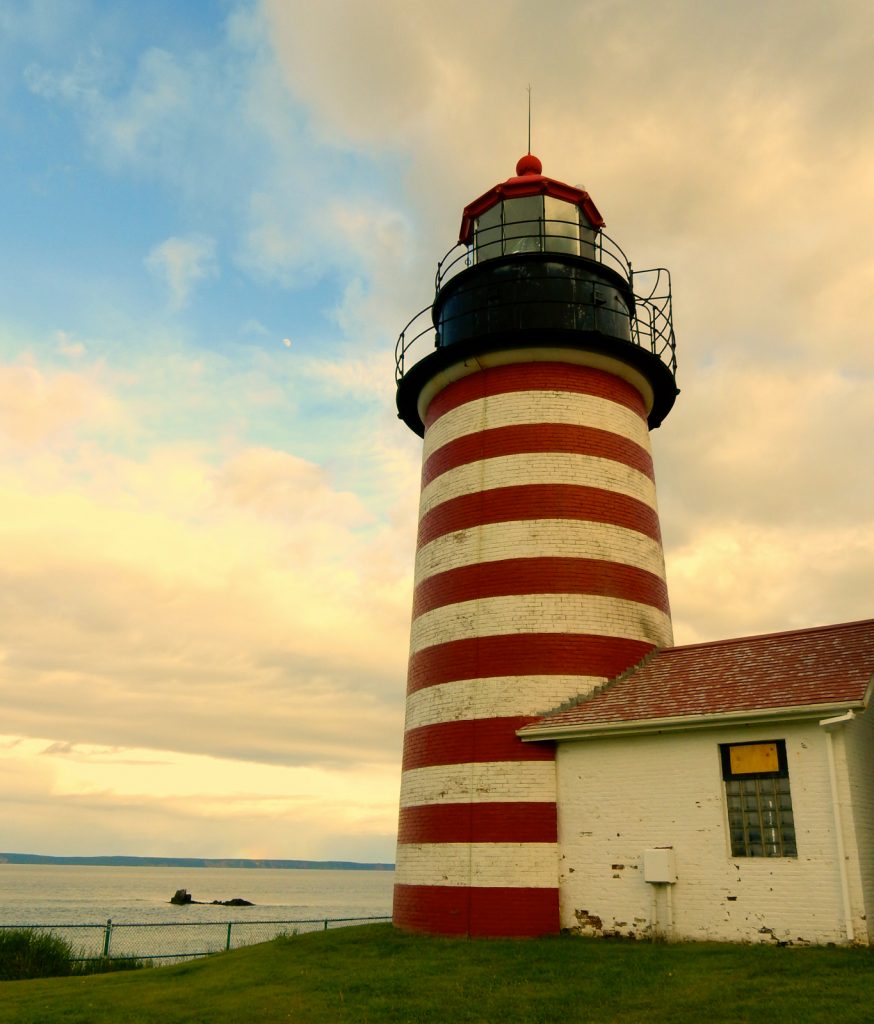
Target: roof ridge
{"x": 768, "y": 636}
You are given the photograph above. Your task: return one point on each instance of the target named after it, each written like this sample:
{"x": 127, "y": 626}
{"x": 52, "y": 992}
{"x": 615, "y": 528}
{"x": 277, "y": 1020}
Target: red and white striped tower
{"x": 539, "y": 567}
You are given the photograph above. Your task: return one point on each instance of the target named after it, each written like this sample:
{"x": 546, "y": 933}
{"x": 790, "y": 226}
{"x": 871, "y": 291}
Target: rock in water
{"x": 182, "y": 898}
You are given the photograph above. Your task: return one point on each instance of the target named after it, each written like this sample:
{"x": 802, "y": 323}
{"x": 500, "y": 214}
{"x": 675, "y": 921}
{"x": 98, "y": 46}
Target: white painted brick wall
{"x": 488, "y": 781}
{"x": 483, "y": 864}
{"x": 859, "y": 743}
{"x": 494, "y": 697}
{"x": 541, "y": 613}
{"x": 617, "y": 797}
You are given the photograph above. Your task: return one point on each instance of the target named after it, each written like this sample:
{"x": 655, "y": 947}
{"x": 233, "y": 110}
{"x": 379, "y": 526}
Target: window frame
{"x": 776, "y": 838}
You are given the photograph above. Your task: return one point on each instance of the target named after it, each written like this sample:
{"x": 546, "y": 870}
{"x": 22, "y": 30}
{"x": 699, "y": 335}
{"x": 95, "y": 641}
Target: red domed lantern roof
{"x": 529, "y": 181}
{"x": 528, "y": 164}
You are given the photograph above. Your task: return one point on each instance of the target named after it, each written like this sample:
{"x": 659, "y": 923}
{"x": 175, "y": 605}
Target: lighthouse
{"x": 534, "y": 378}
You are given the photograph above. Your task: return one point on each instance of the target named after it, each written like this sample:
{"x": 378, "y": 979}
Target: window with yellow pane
{"x": 760, "y": 822}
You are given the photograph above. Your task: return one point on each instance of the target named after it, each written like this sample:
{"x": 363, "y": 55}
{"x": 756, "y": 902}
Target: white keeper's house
{"x": 565, "y": 766}
{"x": 723, "y": 790}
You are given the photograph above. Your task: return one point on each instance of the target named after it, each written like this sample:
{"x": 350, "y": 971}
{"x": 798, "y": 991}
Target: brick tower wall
{"x": 539, "y": 575}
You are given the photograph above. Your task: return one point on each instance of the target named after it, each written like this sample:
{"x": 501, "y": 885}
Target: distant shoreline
{"x": 192, "y": 862}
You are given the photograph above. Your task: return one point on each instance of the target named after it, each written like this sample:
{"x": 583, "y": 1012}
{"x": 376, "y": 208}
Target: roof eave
{"x": 681, "y": 723}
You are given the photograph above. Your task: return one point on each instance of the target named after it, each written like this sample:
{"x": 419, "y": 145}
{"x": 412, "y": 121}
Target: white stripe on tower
{"x": 478, "y": 864}
{"x": 532, "y": 613}
{"x": 512, "y": 409}
{"x": 498, "y": 696}
{"x": 459, "y": 783}
{"x": 539, "y": 574}
{"x": 565, "y": 538}
{"x": 556, "y": 468}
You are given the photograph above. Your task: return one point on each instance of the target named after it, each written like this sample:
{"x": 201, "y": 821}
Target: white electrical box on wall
{"x": 659, "y": 866}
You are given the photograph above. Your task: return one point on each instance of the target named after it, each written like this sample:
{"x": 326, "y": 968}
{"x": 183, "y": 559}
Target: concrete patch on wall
{"x": 593, "y": 926}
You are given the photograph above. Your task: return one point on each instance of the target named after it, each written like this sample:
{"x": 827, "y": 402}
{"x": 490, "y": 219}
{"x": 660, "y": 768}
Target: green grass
{"x": 30, "y": 953}
{"x": 34, "y": 953}
{"x": 373, "y": 974}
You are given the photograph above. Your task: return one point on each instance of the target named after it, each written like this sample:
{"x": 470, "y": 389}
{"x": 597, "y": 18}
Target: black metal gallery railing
{"x": 546, "y": 235}
{"x": 649, "y": 321}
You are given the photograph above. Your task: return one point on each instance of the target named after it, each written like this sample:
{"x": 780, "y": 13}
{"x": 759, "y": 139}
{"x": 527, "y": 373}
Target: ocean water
{"x": 74, "y": 894}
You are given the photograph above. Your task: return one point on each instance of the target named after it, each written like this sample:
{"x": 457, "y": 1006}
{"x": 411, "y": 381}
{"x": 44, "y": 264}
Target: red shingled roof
{"x": 822, "y": 668}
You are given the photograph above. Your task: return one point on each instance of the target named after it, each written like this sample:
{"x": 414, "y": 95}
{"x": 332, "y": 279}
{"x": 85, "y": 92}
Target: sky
{"x": 215, "y": 219}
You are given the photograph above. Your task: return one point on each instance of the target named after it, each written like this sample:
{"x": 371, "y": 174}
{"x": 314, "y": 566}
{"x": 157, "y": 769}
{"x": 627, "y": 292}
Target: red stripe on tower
{"x": 545, "y": 575}
{"x": 478, "y": 823}
{"x": 477, "y": 911}
{"x": 526, "y": 376}
{"x": 528, "y": 425}
{"x": 470, "y": 741}
{"x": 538, "y": 501}
{"x": 552, "y": 654}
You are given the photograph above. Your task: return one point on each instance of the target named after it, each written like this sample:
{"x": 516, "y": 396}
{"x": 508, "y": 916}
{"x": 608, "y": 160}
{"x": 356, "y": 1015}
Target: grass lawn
{"x": 374, "y": 974}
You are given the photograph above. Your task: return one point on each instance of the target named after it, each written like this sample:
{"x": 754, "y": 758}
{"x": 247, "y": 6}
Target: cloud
{"x": 163, "y": 803}
{"x": 733, "y": 138}
{"x": 81, "y": 82}
{"x": 138, "y": 116}
{"x": 165, "y": 117}
{"x": 763, "y": 501}
{"x": 766, "y": 444}
{"x": 719, "y": 162}
{"x": 68, "y": 347}
{"x": 38, "y": 405}
{"x": 352, "y": 377}
{"x": 58, "y": 748}
{"x": 211, "y": 581}
{"x": 741, "y": 163}
{"x": 282, "y": 487}
{"x": 766, "y": 579}
{"x": 180, "y": 263}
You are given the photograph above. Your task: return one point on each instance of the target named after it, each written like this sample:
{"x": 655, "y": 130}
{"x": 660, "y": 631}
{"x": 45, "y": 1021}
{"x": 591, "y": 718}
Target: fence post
{"x": 107, "y": 935}
{"x": 228, "y": 945}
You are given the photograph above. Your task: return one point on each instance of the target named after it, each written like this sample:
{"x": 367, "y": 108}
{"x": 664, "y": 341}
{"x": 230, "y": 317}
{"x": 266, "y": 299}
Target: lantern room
{"x": 534, "y": 277}
{"x": 531, "y": 213}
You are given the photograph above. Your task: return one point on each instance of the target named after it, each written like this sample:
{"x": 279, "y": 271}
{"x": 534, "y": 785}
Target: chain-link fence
{"x": 168, "y": 941}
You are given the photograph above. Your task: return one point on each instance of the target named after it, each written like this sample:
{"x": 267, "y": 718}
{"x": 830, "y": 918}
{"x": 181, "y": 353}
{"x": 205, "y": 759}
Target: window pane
{"x": 759, "y": 805}
{"x": 487, "y": 234}
{"x": 561, "y": 226}
{"x": 523, "y": 224}
{"x": 587, "y": 238}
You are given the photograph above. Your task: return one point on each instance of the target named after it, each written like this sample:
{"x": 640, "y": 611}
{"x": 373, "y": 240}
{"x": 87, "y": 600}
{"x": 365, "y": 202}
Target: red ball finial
{"x": 529, "y": 164}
